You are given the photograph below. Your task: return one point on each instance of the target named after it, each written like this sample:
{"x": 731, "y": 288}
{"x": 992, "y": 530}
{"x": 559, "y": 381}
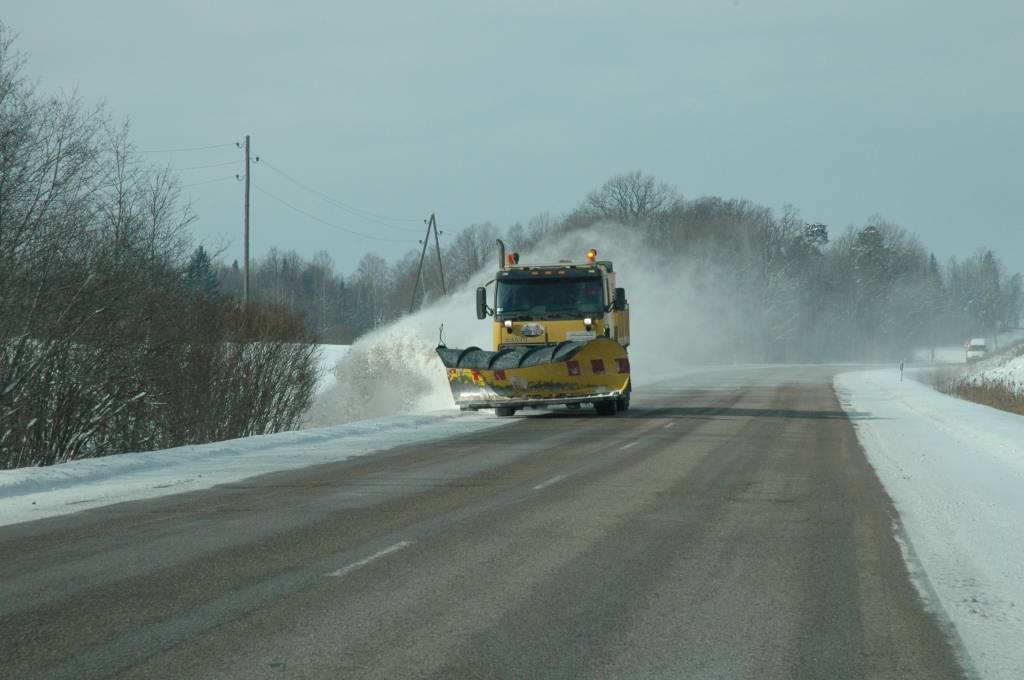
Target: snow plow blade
{"x": 517, "y": 377}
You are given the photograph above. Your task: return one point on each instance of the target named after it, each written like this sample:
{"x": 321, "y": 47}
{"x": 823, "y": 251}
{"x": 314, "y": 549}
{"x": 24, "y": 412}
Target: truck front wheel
{"x": 624, "y": 399}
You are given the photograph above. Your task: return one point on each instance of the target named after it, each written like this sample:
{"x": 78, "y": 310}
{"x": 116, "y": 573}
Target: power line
{"x": 203, "y": 167}
{"x": 209, "y": 181}
{"x": 189, "y": 148}
{"x": 325, "y": 222}
{"x": 357, "y": 212}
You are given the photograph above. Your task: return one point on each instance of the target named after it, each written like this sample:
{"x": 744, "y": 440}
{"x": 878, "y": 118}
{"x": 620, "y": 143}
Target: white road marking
{"x": 545, "y": 484}
{"x": 376, "y": 556}
{"x": 671, "y": 423}
{"x": 631, "y": 444}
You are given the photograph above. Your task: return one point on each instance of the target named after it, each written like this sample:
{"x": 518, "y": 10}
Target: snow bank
{"x": 34, "y": 493}
{"x": 955, "y": 471}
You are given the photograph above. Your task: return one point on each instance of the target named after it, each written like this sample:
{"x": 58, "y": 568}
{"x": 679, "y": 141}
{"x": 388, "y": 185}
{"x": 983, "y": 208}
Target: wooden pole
{"x": 437, "y": 244}
{"x": 419, "y": 272}
{"x": 245, "y": 281}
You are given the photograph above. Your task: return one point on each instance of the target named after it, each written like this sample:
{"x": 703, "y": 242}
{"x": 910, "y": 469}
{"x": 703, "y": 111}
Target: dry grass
{"x": 989, "y": 392}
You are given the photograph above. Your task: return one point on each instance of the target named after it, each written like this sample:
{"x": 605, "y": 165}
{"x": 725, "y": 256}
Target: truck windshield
{"x": 550, "y": 298}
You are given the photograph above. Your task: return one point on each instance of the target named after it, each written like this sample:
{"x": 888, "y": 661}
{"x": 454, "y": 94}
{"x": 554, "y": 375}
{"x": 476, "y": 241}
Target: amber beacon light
{"x": 591, "y": 255}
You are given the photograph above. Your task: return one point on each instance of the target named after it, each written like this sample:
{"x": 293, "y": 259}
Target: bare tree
{"x": 370, "y": 288}
{"x": 629, "y": 198}
{"x": 472, "y": 249}
{"x": 103, "y": 346}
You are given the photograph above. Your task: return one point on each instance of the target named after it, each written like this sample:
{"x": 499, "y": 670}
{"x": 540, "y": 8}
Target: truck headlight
{"x": 588, "y": 321}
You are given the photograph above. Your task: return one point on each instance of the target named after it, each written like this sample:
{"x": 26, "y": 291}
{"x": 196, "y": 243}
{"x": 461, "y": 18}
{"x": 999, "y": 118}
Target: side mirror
{"x": 481, "y": 303}
{"x": 620, "y": 300}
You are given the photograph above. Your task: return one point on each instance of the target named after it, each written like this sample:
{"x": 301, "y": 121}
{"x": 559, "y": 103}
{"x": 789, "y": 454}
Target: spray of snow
{"x": 676, "y": 320}
{"x": 395, "y": 369}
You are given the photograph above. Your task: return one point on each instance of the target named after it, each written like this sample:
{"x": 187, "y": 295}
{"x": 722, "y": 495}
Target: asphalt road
{"x": 727, "y": 526}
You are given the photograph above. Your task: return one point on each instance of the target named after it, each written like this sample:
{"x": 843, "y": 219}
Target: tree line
{"x": 339, "y": 309}
{"x": 109, "y": 341}
{"x": 783, "y": 289}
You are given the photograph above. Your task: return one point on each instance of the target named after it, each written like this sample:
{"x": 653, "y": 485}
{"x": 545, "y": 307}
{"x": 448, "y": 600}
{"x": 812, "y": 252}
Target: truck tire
{"x": 606, "y": 408}
{"x": 624, "y": 399}
{"x": 504, "y": 411}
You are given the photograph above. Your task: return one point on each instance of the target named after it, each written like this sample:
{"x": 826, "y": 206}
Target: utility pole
{"x": 245, "y": 282}
{"x": 437, "y": 245}
{"x": 419, "y": 271}
{"x": 431, "y": 226}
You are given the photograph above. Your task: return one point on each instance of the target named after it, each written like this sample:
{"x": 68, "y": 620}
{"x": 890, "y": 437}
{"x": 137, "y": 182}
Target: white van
{"x": 976, "y": 349}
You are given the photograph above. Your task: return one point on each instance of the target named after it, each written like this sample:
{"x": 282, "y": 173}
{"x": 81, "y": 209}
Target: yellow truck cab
{"x": 548, "y": 304}
{"x": 560, "y": 334}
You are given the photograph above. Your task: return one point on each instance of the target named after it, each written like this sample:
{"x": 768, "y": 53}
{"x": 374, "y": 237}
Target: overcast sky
{"x": 500, "y": 111}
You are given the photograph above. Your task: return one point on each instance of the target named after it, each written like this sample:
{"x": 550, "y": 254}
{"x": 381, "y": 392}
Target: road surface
{"x": 727, "y": 526}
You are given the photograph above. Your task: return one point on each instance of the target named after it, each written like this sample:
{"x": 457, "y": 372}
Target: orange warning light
{"x": 591, "y": 255}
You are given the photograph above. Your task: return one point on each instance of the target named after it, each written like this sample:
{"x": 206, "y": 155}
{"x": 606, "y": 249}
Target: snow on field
{"x": 1006, "y": 370}
{"x": 955, "y": 471}
{"x": 34, "y": 493}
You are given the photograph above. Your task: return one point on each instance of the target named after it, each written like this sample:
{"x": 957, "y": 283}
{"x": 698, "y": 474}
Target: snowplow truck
{"x": 560, "y": 335}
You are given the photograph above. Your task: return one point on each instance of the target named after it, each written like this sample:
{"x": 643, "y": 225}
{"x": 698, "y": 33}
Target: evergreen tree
{"x": 200, "y": 277}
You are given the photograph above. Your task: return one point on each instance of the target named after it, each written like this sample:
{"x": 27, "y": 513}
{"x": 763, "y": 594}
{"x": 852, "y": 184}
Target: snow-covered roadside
{"x": 955, "y": 471}
{"x": 34, "y": 493}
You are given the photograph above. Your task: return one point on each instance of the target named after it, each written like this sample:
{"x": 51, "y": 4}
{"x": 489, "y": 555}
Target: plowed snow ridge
{"x": 35, "y": 493}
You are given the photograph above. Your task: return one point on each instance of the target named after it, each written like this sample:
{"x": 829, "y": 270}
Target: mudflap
{"x": 517, "y": 377}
